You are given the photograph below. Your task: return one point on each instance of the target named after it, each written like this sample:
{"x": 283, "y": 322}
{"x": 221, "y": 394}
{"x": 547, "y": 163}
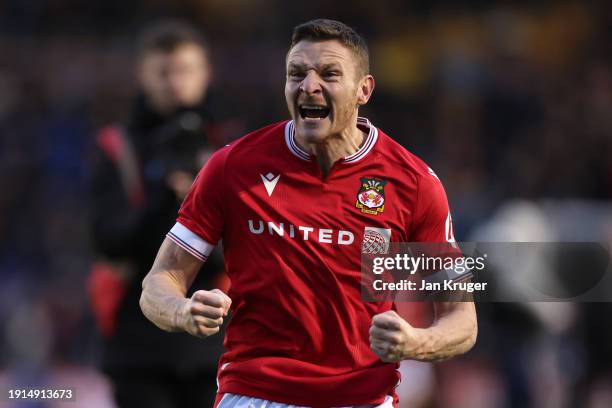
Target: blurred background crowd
{"x": 510, "y": 105}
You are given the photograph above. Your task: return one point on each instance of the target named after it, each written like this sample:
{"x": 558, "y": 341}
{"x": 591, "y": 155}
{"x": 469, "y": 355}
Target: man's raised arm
{"x": 164, "y": 289}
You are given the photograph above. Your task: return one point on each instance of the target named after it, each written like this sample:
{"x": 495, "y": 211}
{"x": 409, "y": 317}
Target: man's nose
{"x": 310, "y": 83}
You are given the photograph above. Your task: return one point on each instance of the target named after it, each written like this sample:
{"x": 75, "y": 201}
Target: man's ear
{"x": 365, "y": 89}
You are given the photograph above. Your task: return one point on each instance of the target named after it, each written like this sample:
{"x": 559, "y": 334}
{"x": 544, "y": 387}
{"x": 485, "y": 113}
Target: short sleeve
{"x": 432, "y": 222}
{"x": 201, "y": 217}
{"x": 435, "y": 225}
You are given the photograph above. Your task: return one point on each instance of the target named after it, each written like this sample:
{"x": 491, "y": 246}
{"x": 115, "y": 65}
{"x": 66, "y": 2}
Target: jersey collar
{"x": 362, "y": 123}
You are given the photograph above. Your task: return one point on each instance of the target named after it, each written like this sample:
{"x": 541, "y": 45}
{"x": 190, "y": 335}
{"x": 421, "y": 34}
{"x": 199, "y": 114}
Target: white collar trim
{"x": 367, "y": 146}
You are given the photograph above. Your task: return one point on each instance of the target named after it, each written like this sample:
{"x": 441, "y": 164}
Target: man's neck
{"x": 335, "y": 147}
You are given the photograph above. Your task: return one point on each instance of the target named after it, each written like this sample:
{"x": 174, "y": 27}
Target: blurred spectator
{"x": 141, "y": 173}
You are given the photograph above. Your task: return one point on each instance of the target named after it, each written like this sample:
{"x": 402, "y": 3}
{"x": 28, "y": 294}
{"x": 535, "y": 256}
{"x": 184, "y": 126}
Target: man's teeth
{"x": 309, "y": 111}
{"x": 312, "y": 107}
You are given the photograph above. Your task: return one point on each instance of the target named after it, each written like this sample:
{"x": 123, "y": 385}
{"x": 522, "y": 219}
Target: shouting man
{"x": 289, "y": 204}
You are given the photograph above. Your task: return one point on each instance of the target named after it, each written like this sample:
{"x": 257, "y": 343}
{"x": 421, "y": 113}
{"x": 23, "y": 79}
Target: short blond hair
{"x": 326, "y": 30}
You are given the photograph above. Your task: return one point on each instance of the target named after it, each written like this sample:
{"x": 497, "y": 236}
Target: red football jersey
{"x": 292, "y": 240}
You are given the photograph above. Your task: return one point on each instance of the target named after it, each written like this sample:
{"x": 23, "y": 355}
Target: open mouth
{"x": 313, "y": 111}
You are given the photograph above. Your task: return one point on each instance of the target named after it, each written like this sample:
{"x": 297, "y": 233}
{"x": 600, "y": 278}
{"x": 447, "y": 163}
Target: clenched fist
{"x": 203, "y": 313}
{"x": 393, "y": 339}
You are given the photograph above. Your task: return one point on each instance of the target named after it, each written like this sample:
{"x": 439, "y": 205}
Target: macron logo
{"x": 269, "y": 181}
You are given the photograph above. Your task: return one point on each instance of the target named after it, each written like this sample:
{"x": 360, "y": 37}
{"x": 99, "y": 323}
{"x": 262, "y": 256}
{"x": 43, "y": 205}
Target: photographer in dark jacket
{"x": 140, "y": 175}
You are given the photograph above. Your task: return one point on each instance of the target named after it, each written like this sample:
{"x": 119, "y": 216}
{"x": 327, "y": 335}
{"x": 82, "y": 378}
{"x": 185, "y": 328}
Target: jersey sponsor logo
{"x": 270, "y": 181}
{"x": 306, "y": 233}
{"x": 376, "y": 240}
{"x": 371, "y": 196}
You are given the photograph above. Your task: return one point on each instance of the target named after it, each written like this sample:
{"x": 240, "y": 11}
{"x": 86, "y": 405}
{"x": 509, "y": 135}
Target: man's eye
{"x": 295, "y": 74}
{"x": 331, "y": 74}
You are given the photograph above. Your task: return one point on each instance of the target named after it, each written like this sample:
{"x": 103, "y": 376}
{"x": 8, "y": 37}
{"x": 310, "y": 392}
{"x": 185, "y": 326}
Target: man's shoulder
{"x": 268, "y": 134}
{"x": 397, "y": 155}
{"x": 267, "y": 140}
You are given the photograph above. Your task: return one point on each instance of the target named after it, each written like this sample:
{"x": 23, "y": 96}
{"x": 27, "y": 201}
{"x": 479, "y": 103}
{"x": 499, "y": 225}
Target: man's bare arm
{"x": 453, "y": 332}
{"x": 164, "y": 288}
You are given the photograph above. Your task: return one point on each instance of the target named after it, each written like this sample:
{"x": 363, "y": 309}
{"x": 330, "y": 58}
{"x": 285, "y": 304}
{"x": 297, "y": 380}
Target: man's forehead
{"x": 319, "y": 53}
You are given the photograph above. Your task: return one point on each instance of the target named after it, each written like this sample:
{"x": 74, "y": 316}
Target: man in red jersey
{"x": 294, "y": 203}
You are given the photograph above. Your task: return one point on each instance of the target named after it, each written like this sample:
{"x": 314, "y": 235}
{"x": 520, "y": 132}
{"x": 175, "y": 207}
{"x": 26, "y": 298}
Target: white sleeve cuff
{"x": 190, "y": 242}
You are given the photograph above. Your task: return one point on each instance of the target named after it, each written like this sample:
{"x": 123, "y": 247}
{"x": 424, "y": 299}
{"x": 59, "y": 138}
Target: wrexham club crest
{"x": 371, "y": 196}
